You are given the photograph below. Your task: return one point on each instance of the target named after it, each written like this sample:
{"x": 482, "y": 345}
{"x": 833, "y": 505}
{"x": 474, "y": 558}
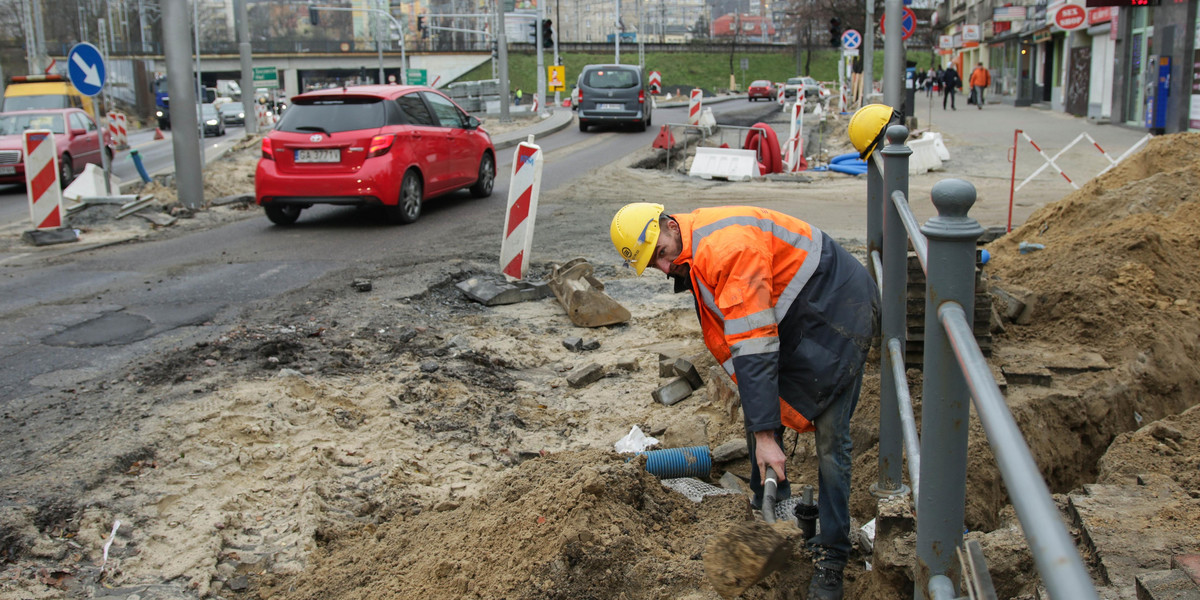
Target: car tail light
{"x": 579, "y": 91}
{"x": 380, "y": 144}
{"x": 641, "y": 96}
{"x": 267, "y": 149}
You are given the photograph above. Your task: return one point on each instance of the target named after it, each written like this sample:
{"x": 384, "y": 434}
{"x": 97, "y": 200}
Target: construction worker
{"x": 790, "y": 315}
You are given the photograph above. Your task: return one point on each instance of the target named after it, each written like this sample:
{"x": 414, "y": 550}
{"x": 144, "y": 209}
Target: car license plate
{"x": 8, "y": 170}
{"x": 319, "y": 156}
{"x": 610, "y": 106}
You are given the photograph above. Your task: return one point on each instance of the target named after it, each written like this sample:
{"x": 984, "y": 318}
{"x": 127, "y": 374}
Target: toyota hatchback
{"x": 377, "y": 145}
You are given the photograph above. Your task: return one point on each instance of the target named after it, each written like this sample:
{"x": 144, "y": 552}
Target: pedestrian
{"x": 980, "y": 80}
{"x": 950, "y": 82}
{"x": 517, "y": 97}
{"x": 790, "y": 315}
{"x": 930, "y": 77}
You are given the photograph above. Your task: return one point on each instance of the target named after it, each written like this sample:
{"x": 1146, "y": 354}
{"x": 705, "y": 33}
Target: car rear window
{"x": 611, "y": 79}
{"x": 333, "y": 114}
{"x": 795, "y": 81}
{"x": 761, "y": 83}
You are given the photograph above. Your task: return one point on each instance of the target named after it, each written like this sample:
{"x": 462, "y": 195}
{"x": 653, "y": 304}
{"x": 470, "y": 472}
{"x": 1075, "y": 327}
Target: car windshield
{"x": 232, "y": 107}
{"x": 16, "y": 124}
{"x": 333, "y": 114}
{"x": 611, "y": 79}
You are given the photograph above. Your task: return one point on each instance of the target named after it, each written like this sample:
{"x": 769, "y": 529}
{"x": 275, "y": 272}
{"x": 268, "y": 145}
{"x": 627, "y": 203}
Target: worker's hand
{"x": 768, "y": 454}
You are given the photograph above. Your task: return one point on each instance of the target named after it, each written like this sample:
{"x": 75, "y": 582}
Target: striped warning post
{"x": 782, "y": 96}
{"x": 533, "y": 108}
{"x": 794, "y": 146}
{"x": 695, "y": 102}
{"x": 41, "y": 176}
{"x": 118, "y": 131}
{"x": 523, "y": 189}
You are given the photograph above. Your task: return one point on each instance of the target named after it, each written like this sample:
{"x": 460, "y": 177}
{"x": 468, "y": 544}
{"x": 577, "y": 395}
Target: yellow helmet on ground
{"x": 868, "y": 126}
{"x": 634, "y": 233}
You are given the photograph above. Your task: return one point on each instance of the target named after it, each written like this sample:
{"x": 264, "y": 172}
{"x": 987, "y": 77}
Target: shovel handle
{"x": 770, "y": 489}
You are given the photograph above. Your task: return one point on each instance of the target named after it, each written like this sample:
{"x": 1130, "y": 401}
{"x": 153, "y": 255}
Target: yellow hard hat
{"x": 868, "y": 126}
{"x": 634, "y": 232}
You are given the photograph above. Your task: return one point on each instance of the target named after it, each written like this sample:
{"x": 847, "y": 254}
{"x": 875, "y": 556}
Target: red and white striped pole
{"x": 41, "y": 176}
{"x": 533, "y": 108}
{"x": 523, "y": 190}
{"x": 117, "y": 130}
{"x": 794, "y": 151}
{"x": 782, "y": 96}
{"x": 695, "y": 102}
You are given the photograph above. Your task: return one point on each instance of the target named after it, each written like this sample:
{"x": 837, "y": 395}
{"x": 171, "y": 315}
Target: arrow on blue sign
{"x": 85, "y": 66}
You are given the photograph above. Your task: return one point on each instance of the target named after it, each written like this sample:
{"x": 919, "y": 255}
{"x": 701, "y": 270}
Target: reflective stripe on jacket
{"x": 787, "y": 311}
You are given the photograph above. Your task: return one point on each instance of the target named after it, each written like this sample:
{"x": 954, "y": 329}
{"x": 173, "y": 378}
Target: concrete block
{"x": 585, "y": 375}
{"x": 726, "y": 164}
{"x": 574, "y": 344}
{"x": 685, "y": 369}
{"x": 723, "y": 393}
{"x": 591, "y": 344}
{"x": 731, "y": 450}
{"x": 675, "y": 390}
{"x": 666, "y": 367}
{"x": 47, "y": 237}
{"x": 924, "y": 156}
{"x": 1189, "y": 564}
{"x": 1165, "y": 585}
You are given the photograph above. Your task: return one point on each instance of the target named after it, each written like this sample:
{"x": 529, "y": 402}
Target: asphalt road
{"x": 67, "y": 321}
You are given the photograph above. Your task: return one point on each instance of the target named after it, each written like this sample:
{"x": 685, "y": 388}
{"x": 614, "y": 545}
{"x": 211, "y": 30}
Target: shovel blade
{"x": 742, "y": 555}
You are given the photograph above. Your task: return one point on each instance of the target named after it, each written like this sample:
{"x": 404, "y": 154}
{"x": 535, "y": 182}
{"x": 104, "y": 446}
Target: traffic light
{"x": 312, "y": 16}
{"x": 835, "y": 32}
{"x": 533, "y": 33}
{"x": 421, "y": 26}
{"x": 547, "y": 34}
{"x": 495, "y": 50}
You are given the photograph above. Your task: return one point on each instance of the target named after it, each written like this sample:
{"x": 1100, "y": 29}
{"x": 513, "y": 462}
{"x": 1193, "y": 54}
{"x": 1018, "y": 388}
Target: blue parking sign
{"x": 851, "y": 39}
{"x": 85, "y": 66}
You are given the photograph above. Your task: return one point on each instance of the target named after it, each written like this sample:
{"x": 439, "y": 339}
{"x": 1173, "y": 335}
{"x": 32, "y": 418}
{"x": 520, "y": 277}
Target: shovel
{"x": 748, "y": 551}
{"x": 583, "y": 297}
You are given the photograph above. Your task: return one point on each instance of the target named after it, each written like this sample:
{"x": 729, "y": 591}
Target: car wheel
{"x": 66, "y": 171}
{"x": 408, "y": 206}
{"x": 282, "y": 214}
{"x": 649, "y": 119}
{"x": 583, "y": 126}
{"x": 487, "y": 177}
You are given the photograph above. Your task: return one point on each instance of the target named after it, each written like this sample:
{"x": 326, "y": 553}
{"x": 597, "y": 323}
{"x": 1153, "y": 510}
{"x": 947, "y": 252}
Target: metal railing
{"x": 955, "y": 371}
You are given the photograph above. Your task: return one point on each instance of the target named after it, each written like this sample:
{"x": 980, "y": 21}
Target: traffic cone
{"x": 158, "y": 134}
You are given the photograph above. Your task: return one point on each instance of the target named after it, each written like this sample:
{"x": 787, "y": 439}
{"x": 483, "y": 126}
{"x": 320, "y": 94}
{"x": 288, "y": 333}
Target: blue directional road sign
{"x": 851, "y": 39}
{"x": 85, "y": 66}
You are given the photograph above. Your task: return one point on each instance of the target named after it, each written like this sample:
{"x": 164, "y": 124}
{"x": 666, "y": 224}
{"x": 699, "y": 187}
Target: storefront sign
{"x": 1070, "y": 16}
{"x": 970, "y": 33}
{"x": 1008, "y": 13}
{"x": 1100, "y": 15}
{"x": 945, "y": 42}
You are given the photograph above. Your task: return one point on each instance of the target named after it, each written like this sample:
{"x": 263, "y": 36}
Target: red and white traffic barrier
{"x": 41, "y": 176}
{"x": 533, "y": 108}
{"x": 523, "y": 189}
{"x": 782, "y": 96}
{"x": 118, "y": 130}
{"x": 695, "y": 103}
{"x": 1050, "y": 162}
{"x": 794, "y": 145}
{"x": 262, "y": 115}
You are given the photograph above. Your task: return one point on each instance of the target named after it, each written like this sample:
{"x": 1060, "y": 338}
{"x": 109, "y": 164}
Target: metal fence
{"x": 955, "y": 372}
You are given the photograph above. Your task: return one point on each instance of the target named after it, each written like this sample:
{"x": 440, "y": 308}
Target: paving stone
{"x": 1188, "y": 563}
{"x": 585, "y": 375}
{"x": 731, "y": 450}
{"x": 684, "y": 368}
{"x": 1166, "y": 585}
{"x": 675, "y": 390}
{"x": 666, "y": 367}
{"x": 591, "y": 344}
{"x": 574, "y": 344}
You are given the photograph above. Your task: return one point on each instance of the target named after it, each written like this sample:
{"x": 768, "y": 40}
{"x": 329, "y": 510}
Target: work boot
{"x": 826, "y": 585}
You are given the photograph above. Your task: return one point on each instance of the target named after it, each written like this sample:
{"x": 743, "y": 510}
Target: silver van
{"x": 613, "y": 94}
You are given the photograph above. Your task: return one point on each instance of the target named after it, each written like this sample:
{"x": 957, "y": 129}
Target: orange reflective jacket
{"x": 787, "y": 311}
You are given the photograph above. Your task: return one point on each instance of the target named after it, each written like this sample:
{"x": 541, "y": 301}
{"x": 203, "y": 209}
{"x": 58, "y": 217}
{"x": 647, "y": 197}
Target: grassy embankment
{"x": 706, "y": 70}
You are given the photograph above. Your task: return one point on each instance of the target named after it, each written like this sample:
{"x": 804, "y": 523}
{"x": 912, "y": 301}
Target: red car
{"x": 374, "y": 145}
{"x": 76, "y": 138}
{"x": 761, "y": 89}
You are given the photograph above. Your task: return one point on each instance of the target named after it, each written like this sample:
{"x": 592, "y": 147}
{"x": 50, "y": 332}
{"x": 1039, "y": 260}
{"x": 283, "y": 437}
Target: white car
{"x": 812, "y": 89}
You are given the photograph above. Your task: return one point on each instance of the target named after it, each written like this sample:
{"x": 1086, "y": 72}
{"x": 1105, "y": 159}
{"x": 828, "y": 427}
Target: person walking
{"x": 930, "y": 77}
{"x": 980, "y": 80}
{"x": 950, "y": 82}
{"x": 791, "y": 316}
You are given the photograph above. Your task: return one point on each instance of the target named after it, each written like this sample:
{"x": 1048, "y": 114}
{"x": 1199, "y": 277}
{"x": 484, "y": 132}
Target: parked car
{"x": 211, "y": 120}
{"x": 614, "y": 95}
{"x": 812, "y": 89}
{"x": 761, "y": 89}
{"x": 233, "y": 113}
{"x": 76, "y": 141}
{"x": 375, "y": 145}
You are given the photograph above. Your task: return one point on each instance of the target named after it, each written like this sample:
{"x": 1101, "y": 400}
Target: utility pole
{"x": 893, "y": 54}
{"x": 379, "y": 40}
{"x": 247, "y": 60}
{"x": 541, "y": 65}
{"x": 199, "y": 81}
{"x": 502, "y": 61}
{"x": 182, "y": 93}
{"x": 617, "y": 37}
{"x": 868, "y": 50}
